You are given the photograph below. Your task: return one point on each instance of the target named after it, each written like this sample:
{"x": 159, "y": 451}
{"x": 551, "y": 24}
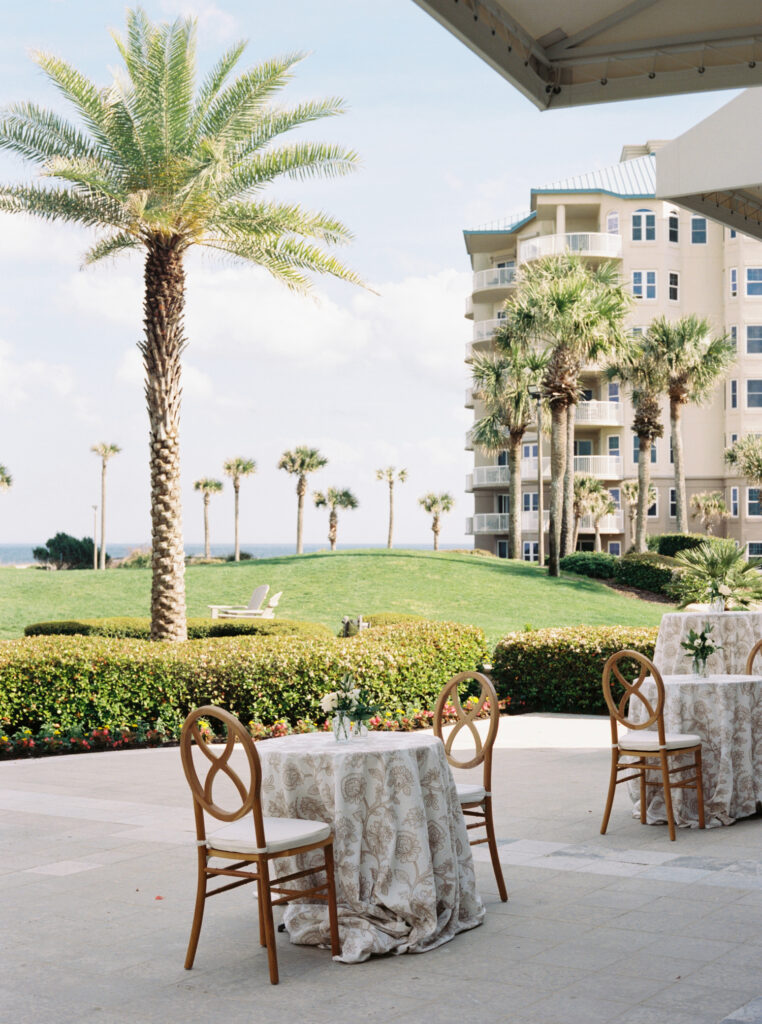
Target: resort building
{"x": 675, "y": 262}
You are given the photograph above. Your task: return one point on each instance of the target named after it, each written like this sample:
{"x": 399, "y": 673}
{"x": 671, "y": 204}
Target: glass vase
{"x": 717, "y": 604}
{"x": 342, "y": 728}
{"x": 699, "y": 668}
{"x": 359, "y": 730}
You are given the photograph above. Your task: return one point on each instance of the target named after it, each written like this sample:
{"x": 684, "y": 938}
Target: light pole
{"x": 536, "y": 393}
{"x": 95, "y": 537}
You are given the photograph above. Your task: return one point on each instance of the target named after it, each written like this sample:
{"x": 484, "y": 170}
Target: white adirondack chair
{"x": 269, "y": 611}
{"x": 226, "y": 611}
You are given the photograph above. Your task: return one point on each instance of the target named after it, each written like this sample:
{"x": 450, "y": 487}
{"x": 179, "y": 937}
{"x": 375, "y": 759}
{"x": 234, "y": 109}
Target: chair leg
{"x": 667, "y": 793}
{"x": 267, "y": 910}
{"x": 612, "y": 790}
{"x": 261, "y": 908}
{"x": 492, "y": 843}
{"x": 333, "y": 915}
{"x": 700, "y": 789}
{"x": 643, "y": 796}
{"x": 198, "y": 912}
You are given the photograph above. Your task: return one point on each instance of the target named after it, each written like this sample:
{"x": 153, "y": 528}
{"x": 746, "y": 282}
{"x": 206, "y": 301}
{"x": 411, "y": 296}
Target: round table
{"x": 405, "y": 878}
{"x": 726, "y": 712}
{"x": 735, "y": 632}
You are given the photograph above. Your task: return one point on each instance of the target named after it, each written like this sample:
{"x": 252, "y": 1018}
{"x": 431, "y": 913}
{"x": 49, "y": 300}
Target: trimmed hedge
{"x": 670, "y": 543}
{"x": 198, "y": 629}
{"x": 98, "y": 682}
{"x": 597, "y": 564}
{"x": 646, "y": 571}
{"x": 560, "y": 669}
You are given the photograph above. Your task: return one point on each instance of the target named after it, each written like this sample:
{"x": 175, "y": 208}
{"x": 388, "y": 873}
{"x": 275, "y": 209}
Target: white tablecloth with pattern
{"x": 735, "y": 632}
{"x": 726, "y": 712}
{"x": 404, "y": 872}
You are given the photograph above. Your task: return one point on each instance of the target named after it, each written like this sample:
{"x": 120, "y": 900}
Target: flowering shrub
{"x": 51, "y": 739}
{"x": 198, "y": 629}
{"x": 561, "y": 669}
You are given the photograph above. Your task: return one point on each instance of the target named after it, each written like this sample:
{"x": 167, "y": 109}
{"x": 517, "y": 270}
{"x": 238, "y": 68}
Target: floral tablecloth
{"x": 404, "y": 872}
{"x": 735, "y": 632}
{"x": 726, "y": 712}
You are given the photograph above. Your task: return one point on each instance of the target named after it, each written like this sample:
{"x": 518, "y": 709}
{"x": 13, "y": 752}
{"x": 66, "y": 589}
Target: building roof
{"x": 632, "y": 179}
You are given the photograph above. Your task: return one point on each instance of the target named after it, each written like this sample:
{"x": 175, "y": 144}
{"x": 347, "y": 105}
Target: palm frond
{"x": 297, "y": 162}
{"x": 287, "y": 259}
{"x": 114, "y": 245}
{"x": 277, "y": 122}
{"x": 234, "y": 112}
{"x": 41, "y": 135}
{"x": 61, "y": 204}
{"x": 82, "y": 93}
{"x": 211, "y": 86}
{"x": 269, "y": 220}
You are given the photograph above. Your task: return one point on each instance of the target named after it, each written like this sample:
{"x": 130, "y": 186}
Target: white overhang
{"x": 591, "y": 51}
{"x": 715, "y": 168}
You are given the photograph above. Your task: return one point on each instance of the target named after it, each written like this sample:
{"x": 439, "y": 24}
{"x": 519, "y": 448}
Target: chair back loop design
{"x": 465, "y": 719}
{"x": 618, "y": 709}
{"x": 752, "y": 655}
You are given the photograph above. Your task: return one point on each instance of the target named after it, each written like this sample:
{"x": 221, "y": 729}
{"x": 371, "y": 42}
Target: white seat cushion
{"x": 280, "y": 834}
{"x": 470, "y": 794}
{"x": 650, "y": 740}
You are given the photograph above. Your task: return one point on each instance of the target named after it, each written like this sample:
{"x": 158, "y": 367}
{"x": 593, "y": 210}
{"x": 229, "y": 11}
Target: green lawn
{"x": 495, "y": 594}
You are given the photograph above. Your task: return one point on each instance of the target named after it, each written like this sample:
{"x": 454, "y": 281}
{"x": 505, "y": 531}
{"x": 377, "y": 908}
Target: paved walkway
{"x": 98, "y": 877}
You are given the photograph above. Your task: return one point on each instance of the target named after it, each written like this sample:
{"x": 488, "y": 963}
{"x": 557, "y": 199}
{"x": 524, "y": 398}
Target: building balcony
{"x": 607, "y": 467}
{"x": 469, "y": 445}
{"x": 484, "y": 329}
{"x": 530, "y": 521}
{"x": 490, "y": 476}
{"x": 469, "y": 399}
{"x": 493, "y": 284}
{"x": 599, "y": 413}
{"x": 469, "y": 313}
{"x": 607, "y": 524}
{"x": 488, "y": 522}
{"x": 584, "y": 243}
{"x": 499, "y": 522}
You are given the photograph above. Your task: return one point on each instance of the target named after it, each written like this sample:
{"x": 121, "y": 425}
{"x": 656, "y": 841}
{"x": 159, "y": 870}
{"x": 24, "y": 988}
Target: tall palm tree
{"x": 708, "y": 506}
{"x": 602, "y": 505}
{"x": 586, "y": 490}
{"x": 301, "y": 461}
{"x": 630, "y": 495}
{"x": 503, "y": 382}
{"x": 577, "y": 312}
{"x": 746, "y": 456}
{"x": 391, "y": 475}
{"x": 105, "y": 451}
{"x": 436, "y": 505}
{"x": 157, "y": 165}
{"x": 6, "y": 480}
{"x": 694, "y": 363}
{"x": 236, "y": 469}
{"x": 333, "y": 499}
{"x": 208, "y": 487}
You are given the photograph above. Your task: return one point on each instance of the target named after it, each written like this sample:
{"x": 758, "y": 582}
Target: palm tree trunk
{"x": 207, "y": 550}
{"x": 557, "y": 473}
{"x": 675, "y": 422}
{"x": 236, "y": 494}
{"x": 575, "y": 537}
{"x": 435, "y": 531}
{"x": 644, "y": 482}
{"x": 103, "y": 515}
{"x": 514, "y": 476}
{"x": 301, "y": 490}
{"x": 162, "y": 347}
{"x": 391, "y": 514}
{"x": 632, "y": 515}
{"x": 598, "y": 545}
{"x": 567, "y": 518}
{"x": 333, "y": 522}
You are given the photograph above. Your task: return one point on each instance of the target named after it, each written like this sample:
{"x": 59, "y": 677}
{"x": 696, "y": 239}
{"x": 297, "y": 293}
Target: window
{"x": 754, "y": 339}
{"x": 733, "y": 439}
{"x": 643, "y": 226}
{"x": 502, "y": 549}
{"x": 501, "y": 314}
{"x": 754, "y": 394}
{"x": 509, "y": 264}
{"x": 732, "y": 232}
{"x": 616, "y": 496}
{"x": 753, "y": 505}
{"x": 754, "y": 281}
{"x": 530, "y": 501}
{"x": 530, "y": 550}
{"x": 671, "y": 452}
{"x": 672, "y": 503}
{"x": 586, "y": 394}
{"x": 674, "y": 286}
{"x": 615, "y": 548}
{"x": 643, "y": 286}
{"x": 583, "y": 447}
{"x": 502, "y": 459}
{"x": 612, "y": 223}
{"x": 698, "y": 230}
{"x": 734, "y": 502}
{"x": 653, "y": 510}
{"x": 614, "y": 450}
{"x": 504, "y": 504}
{"x": 755, "y": 549}
{"x": 674, "y": 227}
{"x": 529, "y": 451}
{"x": 613, "y": 391}
{"x": 734, "y": 394}
{"x": 733, "y": 282}
{"x": 733, "y": 336}
{"x": 636, "y": 449}
{"x": 637, "y": 332}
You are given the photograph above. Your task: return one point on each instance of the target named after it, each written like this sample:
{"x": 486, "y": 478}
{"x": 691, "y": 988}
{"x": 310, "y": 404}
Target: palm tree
{"x": 208, "y": 487}
{"x": 586, "y": 490}
{"x": 577, "y": 312}
{"x": 694, "y": 363}
{"x": 334, "y": 499}
{"x": 602, "y": 505}
{"x": 156, "y": 165}
{"x": 299, "y": 462}
{"x": 6, "y": 480}
{"x": 630, "y": 495}
{"x": 106, "y": 452}
{"x": 746, "y": 456}
{"x": 503, "y": 384}
{"x": 236, "y": 469}
{"x": 436, "y": 505}
{"x": 392, "y": 476}
{"x": 708, "y": 506}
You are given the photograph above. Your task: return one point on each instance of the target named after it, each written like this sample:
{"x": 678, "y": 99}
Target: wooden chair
{"x": 652, "y": 749}
{"x": 249, "y": 839}
{"x": 752, "y": 655}
{"x": 475, "y": 801}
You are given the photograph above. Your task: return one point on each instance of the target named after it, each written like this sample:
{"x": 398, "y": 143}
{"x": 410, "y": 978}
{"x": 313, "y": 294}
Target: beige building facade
{"x": 674, "y": 262}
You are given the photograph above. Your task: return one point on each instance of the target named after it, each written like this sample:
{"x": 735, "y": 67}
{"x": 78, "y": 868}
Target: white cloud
{"x": 212, "y": 20}
{"x": 24, "y": 380}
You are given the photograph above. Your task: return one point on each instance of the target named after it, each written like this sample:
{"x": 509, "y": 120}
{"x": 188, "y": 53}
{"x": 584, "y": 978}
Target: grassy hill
{"x": 495, "y": 594}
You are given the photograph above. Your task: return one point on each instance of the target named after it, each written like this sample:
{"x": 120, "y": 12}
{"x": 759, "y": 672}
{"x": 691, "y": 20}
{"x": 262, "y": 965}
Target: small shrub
{"x": 646, "y": 571}
{"x": 596, "y": 564}
{"x": 560, "y": 669}
{"x": 137, "y": 559}
{"x": 670, "y": 543}
{"x": 198, "y": 629}
{"x": 66, "y": 552}
{"x": 244, "y": 556}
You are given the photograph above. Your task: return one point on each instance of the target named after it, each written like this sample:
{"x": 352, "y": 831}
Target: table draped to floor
{"x": 735, "y": 632}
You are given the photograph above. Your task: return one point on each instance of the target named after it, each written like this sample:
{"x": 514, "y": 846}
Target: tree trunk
{"x": 575, "y": 537}
{"x": 540, "y": 495}
{"x": 391, "y": 514}
{"x": 236, "y": 493}
{"x": 301, "y": 490}
{"x": 333, "y": 522}
{"x": 644, "y": 482}
{"x": 103, "y": 515}
{"x": 514, "y": 497}
{"x": 567, "y": 517}
{"x": 557, "y": 473}
{"x": 207, "y": 549}
{"x": 598, "y": 545}
{"x": 675, "y": 422}
{"x": 435, "y": 531}
{"x": 162, "y": 348}
{"x": 632, "y": 515}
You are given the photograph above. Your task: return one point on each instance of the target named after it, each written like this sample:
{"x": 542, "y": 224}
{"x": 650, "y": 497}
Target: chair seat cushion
{"x": 634, "y": 740}
{"x": 280, "y": 834}
{"x": 470, "y": 794}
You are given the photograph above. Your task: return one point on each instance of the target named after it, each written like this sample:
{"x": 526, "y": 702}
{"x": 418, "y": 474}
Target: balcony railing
{"x": 484, "y": 329}
{"x": 604, "y": 413}
{"x": 495, "y": 277}
{"x": 530, "y": 520}
{"x": 585, "y": 243}
{"x": 608, "y": 524}
{"x": 489, "y": 476}
{"x": 604, "y": 466}
{"x": 499, "y": 522}
{"x": 469, "y": 314}
{"x": 469, "y": 399}
{"x": 488, "y": 522}
{"x": 469, "y": 442}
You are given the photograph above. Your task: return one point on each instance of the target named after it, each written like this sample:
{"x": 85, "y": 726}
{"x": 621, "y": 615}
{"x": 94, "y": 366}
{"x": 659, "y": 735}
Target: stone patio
{"x": 98, "y": 876}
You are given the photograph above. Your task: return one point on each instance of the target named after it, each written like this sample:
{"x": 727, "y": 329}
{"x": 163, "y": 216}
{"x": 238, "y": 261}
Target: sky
{"x": 370, "y": 377}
